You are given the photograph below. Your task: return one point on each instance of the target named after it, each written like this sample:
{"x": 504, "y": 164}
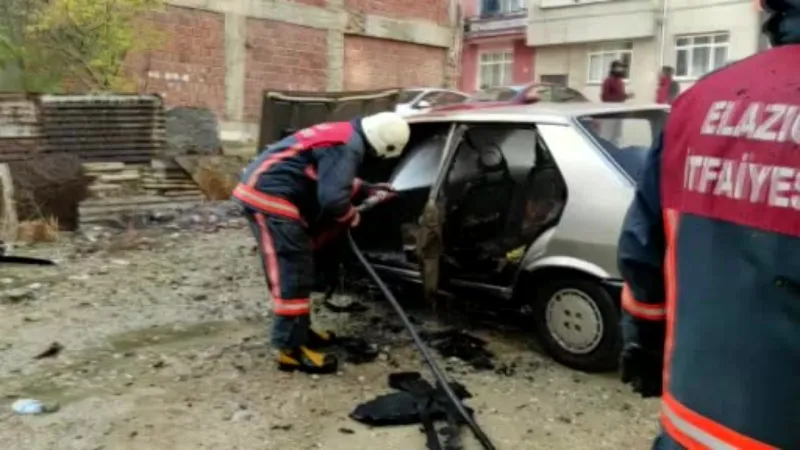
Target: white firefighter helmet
{"x": 387, "y": 133}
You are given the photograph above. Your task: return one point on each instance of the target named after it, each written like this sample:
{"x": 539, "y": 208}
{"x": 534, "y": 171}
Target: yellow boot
{"x": 320, "y": 339}
{"x": 307, "y": 360}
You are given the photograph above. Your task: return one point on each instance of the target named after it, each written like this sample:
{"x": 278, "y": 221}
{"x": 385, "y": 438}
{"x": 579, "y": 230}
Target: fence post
{"x": 8, "y": 209}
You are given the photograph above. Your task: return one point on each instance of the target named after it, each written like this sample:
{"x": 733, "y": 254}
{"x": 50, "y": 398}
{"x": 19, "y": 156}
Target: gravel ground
{"x": 163, "y": 336}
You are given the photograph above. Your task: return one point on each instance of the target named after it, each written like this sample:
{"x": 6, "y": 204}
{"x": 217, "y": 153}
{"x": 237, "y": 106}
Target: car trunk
{"x": 284, "y": 112}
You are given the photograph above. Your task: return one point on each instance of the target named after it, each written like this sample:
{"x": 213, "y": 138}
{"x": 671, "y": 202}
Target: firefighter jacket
{"x": 307, "y": 176}
{"x": 710, "y": 253}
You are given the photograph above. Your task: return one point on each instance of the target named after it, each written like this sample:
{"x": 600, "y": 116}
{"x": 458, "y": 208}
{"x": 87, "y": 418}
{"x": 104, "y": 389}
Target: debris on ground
{"x": 417, "y": 402}
{"x": 51, "y": 351}
{"x": 357, "y": 350}
{"x": 347, "y": 306}
{"x": 31, "y": 407}
{"x": 458, "y": 344}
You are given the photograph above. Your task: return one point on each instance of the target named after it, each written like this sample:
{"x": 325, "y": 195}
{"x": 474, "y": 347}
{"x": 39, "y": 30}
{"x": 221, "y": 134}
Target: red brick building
{"x": 221, "y": 54}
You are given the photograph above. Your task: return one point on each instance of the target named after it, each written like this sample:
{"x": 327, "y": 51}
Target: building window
{"x": 490, "y": 8}
{"x": 495, "y": 69}
{"x": 701, "y": 54}
{"x": 601, "y": 57}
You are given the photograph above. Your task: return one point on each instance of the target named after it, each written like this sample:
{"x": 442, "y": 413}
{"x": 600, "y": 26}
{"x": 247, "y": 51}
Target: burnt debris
{"x": 417, "y": 402}
{"x": 458, "y": 344}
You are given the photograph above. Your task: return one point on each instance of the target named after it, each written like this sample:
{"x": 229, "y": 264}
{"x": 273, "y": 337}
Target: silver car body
{"x": 599, "y": 190}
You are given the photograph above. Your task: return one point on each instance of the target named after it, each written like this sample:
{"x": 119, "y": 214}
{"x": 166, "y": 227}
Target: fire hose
{"x": 437, "y": 372}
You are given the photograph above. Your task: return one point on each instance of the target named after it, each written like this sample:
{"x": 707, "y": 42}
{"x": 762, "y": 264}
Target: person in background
{"x": 613, "y": 91}
{"x": 668, "y": 88}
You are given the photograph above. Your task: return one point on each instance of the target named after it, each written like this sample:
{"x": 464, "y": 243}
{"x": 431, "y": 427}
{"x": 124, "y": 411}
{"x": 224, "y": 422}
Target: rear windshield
{"x": 407, "y": 96}
{"x": 500, "y": 94}
{"x": 626, "y": 137}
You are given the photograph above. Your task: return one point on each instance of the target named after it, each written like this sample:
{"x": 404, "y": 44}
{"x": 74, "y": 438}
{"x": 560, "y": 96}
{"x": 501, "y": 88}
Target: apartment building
{"x": 576, "y": 40}
{"x": 494, "y": 52}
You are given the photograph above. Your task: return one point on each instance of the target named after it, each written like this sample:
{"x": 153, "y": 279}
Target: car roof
{"x": 557, "y": 113}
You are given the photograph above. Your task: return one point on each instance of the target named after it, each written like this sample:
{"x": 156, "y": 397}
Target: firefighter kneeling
{"x": 308, "y": 179}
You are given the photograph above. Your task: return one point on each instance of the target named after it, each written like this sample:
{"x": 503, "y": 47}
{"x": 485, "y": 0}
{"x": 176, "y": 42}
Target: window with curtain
{"x": 698, "y": 55}
{"x": 601, "y": 57}
{"x": 495, "y": 69}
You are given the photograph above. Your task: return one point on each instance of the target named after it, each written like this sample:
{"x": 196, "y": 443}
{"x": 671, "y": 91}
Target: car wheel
{"x": 578, "y": 323}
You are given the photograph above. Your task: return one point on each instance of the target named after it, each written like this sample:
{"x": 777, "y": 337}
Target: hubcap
{"x": 574, "y": 321}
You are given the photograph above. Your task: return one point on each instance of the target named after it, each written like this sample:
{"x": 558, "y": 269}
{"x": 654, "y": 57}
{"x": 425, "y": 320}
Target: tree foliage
{"x": 84, "y": 43}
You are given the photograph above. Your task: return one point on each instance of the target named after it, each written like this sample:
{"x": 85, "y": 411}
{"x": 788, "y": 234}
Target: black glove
{"x": 643, "y": 370}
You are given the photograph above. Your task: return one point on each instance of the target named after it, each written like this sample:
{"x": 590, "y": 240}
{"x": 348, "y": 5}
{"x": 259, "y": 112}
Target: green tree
{"x": 83, "y": 43}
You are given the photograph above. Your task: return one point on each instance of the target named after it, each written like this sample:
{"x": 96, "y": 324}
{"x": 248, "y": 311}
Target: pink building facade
{"x": 494, "y": 51}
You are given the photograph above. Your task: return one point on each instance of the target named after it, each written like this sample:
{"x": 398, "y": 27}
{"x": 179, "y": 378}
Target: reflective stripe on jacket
{"x": 710, "y": 252}
{"x": 283, "y": 179}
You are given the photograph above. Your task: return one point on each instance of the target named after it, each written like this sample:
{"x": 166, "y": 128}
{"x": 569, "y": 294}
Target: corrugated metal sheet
{"x": 98, "y": 128}
{"x": 19, "y": 127}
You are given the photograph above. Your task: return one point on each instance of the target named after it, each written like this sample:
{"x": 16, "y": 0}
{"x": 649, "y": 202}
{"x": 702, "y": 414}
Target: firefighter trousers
{"x": 288, "y": 262}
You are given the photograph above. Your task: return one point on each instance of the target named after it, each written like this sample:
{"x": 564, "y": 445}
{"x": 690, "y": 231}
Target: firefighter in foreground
{"x": 297, "y": 184}
{"x": 710, "y": 253}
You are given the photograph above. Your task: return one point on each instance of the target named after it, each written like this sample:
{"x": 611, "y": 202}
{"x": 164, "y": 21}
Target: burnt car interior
{"x": 502, "y": 190}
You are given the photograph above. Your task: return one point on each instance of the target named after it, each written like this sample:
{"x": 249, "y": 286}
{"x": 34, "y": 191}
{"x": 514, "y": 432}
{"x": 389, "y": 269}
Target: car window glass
{"x": 626, "y": 137}
{"x": 419, "y": 168}
{"x": 407, "y": 96}
{"x": 545, "y": 93}
{"x": 498, "y": 94}
{"x": 432, "y": 96}
{"x": 517, "y": 147}
{"x": 447, "y": 98}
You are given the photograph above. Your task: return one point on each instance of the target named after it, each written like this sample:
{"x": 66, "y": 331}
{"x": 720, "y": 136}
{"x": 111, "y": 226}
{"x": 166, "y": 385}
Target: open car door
{"x": 497, "y": 190}
{"x": 429, "y": 240}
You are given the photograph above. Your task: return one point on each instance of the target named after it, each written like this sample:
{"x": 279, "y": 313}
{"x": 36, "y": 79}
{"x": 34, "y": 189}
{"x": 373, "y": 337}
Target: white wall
{"x": 573, "y": 60}
{"x": 737, "y": 17}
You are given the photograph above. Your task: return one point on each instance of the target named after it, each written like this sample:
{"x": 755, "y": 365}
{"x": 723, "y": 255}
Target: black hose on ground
{"x": 441, "y": 378}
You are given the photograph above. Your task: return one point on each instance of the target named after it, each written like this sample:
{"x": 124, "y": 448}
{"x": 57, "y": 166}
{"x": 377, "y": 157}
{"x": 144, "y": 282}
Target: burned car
{"x": 521, "y": 204}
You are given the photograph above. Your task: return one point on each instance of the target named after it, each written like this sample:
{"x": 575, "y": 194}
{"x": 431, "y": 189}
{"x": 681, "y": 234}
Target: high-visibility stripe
{"x": 281, "y": 306}
{"x": 292, "y": 307}
{"x": 694, "y": 431}
{"x": 641, "y": 310}
{"x": 272, "y": 160}
{"x": 671, "y": 219}
{"x": 265, "y": 202}
{"x": 268, "y": 256}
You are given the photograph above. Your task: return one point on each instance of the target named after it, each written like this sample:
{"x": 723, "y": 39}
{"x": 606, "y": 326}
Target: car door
{"x": 478, "y": 208}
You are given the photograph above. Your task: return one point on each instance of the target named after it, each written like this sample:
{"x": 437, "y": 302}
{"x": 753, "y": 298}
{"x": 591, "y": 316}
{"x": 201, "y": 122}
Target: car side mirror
{"x": 423, "y": 104}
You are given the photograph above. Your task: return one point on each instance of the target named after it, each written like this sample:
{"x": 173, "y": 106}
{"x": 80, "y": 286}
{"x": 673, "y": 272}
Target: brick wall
{"x": 188, "y": 66}
{"x": 282, "y": 56}
{"x": 432, "y": 10}
{"x": 371, "y": 63}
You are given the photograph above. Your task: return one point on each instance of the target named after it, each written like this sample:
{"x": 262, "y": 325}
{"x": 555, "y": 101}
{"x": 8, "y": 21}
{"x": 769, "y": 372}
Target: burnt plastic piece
{"x": 417, "y": 403}
{"x": 468, "y": 348}
{"x": 357, "y": 350}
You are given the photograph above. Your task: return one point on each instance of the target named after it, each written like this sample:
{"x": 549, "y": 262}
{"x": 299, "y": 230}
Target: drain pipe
{"x": 663, "y": 44}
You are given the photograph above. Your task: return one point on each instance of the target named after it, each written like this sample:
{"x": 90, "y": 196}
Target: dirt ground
{"x": 164, "y": 347}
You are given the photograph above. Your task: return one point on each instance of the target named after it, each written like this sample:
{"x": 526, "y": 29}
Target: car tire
{"x": 577, "y": 321}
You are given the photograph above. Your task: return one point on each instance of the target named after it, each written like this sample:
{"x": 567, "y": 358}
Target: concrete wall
{"x": 221, "y": 54}
{"x": 573, "y": 61}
